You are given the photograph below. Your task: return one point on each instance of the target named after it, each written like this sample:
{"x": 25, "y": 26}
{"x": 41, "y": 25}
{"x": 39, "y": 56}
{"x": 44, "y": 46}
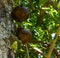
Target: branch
{"x": 31, "y": 4}
{"x": 53, "y": 43}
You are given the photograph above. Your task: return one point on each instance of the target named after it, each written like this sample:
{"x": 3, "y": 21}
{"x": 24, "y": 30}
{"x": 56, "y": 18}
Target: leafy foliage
{"x": 42, "y": 24}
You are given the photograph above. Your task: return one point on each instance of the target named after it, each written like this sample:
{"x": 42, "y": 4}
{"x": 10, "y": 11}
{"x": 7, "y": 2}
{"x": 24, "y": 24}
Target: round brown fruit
{"x": 24, "y": 35}
{"x": 20, "y": 13}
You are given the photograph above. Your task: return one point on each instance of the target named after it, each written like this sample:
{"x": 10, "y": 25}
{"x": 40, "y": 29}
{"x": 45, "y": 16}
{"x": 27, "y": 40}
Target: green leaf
{"x": 58, "y": 5}
{"x": 41, "y": 2}
{"x": 14, "y": 46}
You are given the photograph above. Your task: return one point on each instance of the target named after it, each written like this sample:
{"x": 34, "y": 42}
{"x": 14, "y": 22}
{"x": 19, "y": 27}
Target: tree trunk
{"x": 6, "y": 29}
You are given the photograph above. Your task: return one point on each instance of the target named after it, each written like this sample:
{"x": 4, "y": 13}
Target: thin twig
{"x": 27, "y": 51}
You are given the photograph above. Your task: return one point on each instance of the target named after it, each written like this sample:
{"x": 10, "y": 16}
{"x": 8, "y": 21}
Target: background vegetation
{"x": 43, "y": 22}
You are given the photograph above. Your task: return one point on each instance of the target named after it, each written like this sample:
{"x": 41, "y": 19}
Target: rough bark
{"x": 6, "y": 29}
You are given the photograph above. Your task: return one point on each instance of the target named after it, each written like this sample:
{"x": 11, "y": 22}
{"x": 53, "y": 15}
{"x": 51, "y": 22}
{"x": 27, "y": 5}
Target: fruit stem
{"x": 27, "y": 51}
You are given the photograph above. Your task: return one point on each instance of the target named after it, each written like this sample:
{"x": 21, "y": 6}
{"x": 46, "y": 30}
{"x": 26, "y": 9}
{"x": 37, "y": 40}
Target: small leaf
{"x": 58, "y": 5}
{"x": 14, "y": 46}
